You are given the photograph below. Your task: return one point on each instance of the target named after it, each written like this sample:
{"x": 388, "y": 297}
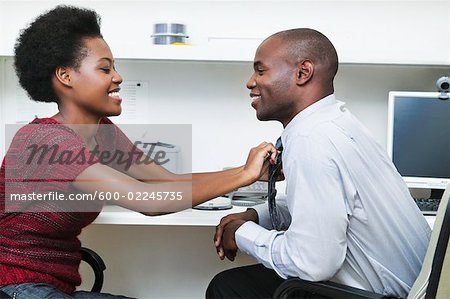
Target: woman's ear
{"x": 305, "y": 71}
{"x": 62, "y": 74}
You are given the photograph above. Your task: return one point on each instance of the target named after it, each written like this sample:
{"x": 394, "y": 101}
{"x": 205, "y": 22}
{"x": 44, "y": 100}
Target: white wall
{"x": 213, "y": 98}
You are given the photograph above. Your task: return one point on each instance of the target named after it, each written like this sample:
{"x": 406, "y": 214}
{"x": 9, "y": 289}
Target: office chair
{"x": 94, "y": 260}
{"x": 433, "y": 281}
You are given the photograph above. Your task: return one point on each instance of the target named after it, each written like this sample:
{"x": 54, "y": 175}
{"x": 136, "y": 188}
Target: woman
{"x": 61, "y": 57}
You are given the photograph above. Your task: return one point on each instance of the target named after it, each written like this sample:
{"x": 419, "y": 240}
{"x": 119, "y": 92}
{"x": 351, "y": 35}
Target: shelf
{"x": 191, "y": 53}
{"x": 216, "y": 52}
{"x": 243, "y": 50}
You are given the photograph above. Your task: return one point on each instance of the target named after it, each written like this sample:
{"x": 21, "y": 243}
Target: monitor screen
{"x": 419, "y": 138}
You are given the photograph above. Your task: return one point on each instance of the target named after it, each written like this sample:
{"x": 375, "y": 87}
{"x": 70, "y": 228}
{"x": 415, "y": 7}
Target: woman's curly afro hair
{"x": 54, "y": 39}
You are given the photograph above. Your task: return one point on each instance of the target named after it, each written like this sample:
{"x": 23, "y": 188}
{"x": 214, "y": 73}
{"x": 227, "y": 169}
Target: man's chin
{"x": 263, "y": 117}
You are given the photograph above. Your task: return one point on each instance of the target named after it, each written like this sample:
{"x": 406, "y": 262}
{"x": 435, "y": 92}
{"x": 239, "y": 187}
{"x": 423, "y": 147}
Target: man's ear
{"x": 305, "y": 71}
{"x": 62, "y": 74}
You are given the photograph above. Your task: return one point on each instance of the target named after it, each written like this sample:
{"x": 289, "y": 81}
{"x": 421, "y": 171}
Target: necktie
{"x": 272, "y": 192}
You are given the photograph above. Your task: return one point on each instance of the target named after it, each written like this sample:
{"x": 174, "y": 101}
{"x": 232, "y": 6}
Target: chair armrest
{"x": 97, "y": 264}
{"x": 327, "y": 289}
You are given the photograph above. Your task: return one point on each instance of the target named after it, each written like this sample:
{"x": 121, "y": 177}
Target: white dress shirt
{"x": 348, "y": 214}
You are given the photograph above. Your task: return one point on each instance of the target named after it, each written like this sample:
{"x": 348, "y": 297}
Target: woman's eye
{"x": 105, "y": 69}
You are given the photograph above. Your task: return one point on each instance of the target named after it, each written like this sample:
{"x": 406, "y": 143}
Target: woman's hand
{"x": 258, "y": 160}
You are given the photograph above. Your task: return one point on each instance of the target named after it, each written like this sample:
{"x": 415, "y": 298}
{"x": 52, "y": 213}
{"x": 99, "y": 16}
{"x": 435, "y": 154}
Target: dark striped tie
{"x": 272, "y": 192}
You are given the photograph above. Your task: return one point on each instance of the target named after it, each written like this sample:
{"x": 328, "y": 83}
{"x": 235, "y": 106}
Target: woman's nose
{"x": 117, "y": 78}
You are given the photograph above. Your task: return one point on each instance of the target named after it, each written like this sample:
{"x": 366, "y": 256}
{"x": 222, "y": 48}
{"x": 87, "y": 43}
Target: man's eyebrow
{"x": 256, "y": 64}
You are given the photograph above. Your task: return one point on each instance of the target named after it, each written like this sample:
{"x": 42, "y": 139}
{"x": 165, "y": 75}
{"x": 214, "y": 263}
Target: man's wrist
{"x": 253, "y": 215}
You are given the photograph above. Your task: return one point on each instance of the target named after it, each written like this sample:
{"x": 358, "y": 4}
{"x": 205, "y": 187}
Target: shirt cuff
{"x": 245, "y": 236}
{"x": 263, "y": 215}
{"x": 257, "y": 241}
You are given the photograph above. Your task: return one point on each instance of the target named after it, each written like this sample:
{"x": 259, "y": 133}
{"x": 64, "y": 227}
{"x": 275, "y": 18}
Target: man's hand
{"x": 228, "y": 245}
{"x": 249, "y": 215}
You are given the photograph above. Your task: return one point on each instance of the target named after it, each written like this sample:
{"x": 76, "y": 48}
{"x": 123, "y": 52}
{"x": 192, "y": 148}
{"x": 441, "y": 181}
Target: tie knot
{"x": 279, "y": 147}
{"x": 279, "y": 144}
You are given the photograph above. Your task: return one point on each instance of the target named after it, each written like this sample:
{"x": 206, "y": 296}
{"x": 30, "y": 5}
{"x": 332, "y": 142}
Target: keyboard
{"x": 428, "y": 206}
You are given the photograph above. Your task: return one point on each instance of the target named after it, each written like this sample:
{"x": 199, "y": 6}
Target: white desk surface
{"x": 189, "y": 217}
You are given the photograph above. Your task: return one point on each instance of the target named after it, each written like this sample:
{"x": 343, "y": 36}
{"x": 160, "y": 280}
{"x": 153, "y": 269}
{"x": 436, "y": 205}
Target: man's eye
{"x": 105, "y": 69}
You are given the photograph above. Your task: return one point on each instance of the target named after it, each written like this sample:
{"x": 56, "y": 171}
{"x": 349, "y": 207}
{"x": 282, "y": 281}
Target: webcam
{"x": 443, "y": 86}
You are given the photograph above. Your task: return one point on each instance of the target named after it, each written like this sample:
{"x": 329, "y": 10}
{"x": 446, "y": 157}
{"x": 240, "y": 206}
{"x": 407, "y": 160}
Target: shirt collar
{"x": 302, "y": 115}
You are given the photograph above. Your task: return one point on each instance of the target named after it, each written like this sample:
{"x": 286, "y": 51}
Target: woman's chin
{"x": 113, "y": 113}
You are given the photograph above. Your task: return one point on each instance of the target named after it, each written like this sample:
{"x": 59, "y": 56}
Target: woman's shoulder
{"x": 50, "y": 121}
{"x": 44, "y": 121}
{"x": 46, "y": 130}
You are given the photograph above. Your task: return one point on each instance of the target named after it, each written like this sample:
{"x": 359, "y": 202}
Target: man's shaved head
{"x": 308, "y": 44}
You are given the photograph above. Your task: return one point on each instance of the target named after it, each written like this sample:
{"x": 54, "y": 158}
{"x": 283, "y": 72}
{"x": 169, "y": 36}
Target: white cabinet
{"x": 386, "y": 32}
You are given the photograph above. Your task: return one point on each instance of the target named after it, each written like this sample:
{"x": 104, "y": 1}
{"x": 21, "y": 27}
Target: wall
{"x": 213, "y": 98}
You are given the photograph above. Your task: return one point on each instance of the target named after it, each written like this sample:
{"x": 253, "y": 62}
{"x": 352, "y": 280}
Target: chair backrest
{"x": 437, "y": 254}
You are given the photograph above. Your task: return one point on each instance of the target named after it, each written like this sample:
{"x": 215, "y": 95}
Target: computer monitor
{"x": 419, "y": 138}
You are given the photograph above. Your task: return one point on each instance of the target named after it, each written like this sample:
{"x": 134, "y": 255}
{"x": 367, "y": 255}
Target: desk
{"x": 189, "y": 217}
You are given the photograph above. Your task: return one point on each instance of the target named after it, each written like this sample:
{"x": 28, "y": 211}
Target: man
{"x": 348, "y": 215}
